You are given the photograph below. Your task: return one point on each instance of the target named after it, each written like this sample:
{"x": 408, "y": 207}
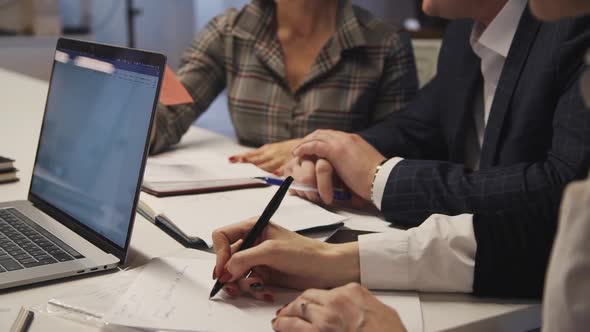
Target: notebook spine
{"x": 178, "y": 235}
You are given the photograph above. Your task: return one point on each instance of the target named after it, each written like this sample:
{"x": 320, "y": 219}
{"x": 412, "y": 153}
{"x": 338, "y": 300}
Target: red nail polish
{"x": 230, "y": 290}
{"x": 268, "y": 298}
{"x": 244, "y": 160}
{"x": 233, "y": 159}
{"x": 225, "y": 276}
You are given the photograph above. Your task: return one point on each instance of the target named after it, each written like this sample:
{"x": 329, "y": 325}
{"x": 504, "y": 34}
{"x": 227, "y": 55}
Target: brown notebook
{"x": 8, "y": 175}
{"x": 6, "y": 163}
{"x": 166, "y": 188}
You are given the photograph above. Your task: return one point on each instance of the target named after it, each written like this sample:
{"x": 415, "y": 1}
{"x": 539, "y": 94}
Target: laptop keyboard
{"x": 24, "y": 244}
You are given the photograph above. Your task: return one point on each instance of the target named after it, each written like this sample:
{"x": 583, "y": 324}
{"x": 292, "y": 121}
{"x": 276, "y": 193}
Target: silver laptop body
{"x": 89, "y": 166}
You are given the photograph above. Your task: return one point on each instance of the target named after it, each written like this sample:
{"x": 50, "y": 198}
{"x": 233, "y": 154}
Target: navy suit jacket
{"x": 536, "y": 141}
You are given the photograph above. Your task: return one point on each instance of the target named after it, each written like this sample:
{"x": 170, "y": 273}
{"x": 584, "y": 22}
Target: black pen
{"x": 260, "y": 224}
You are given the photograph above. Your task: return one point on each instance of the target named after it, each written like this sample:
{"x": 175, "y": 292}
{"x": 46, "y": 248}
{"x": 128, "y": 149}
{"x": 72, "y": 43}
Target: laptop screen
{"x": 92, "y": 143}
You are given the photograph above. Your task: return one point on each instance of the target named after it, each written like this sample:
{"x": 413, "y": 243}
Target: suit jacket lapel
{"x": 517, "y": 56}
{"x": 469, "y": 78}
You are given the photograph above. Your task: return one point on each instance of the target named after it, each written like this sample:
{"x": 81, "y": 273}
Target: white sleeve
{"x": 438, "y": 256}
{"x": 566, "y": 301}
{"x": 381, "y": 180}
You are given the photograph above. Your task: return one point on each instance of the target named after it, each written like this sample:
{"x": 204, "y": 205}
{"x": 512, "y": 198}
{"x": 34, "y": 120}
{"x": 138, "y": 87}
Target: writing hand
{"x": 281, "y": 258}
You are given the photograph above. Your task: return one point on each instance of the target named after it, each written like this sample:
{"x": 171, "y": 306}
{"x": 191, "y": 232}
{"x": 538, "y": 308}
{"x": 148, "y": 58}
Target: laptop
{"x": 88, "y": 168}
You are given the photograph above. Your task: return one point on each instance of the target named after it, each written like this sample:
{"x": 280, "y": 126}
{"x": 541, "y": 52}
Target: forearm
{"x": 512, "y": 250}
{"x": 170, "y": 123}
{"x": 419, "y": 188}
{"x": 343, "y": 263}
{"x": 202, "y": 73}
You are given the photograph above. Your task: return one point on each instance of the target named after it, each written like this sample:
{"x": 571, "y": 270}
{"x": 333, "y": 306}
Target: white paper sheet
{"x": 203, "y": 171}
{"x": 195, "y": 154}
{"x": 95, "y": 300}
{"x": 173, "y": 294}
{"x": 196, "y": 165}
{"x": 200, "y": 215}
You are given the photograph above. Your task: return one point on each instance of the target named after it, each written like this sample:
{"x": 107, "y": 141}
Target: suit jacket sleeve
{"x": 513, "y": 249}
{"x": 202, "y": 72}
{"x": 419, "y": 188}
{"x": 412, "y": 132}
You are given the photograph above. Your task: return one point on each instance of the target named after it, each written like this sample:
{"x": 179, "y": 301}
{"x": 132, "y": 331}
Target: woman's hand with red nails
{"x": 269, "y": 157}
{"x": 281, "y": 258}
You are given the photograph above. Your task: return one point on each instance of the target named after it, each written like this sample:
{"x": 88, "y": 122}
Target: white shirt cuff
{"x": 437, "y": 256}
{"x": 384, "y": 260}
{"x": 381, "y": 180}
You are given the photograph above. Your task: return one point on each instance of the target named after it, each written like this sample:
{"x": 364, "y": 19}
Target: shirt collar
{"x": 254, "y": 20}
{"x": 498, "y": 35}
{"x": 349, "y": 30}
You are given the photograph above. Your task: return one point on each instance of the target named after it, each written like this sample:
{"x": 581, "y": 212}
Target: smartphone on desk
{"x": 345, "y": 235}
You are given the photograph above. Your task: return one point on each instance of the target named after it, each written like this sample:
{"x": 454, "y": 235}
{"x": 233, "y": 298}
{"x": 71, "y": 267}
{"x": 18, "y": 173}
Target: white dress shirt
{"x": 439, "y": 255}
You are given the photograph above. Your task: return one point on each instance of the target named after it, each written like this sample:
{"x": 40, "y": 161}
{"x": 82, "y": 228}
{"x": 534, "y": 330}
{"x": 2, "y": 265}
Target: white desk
{"x": 23, "y": 101}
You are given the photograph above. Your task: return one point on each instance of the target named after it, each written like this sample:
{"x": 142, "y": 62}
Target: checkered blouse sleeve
{"x": 202, "y": 72}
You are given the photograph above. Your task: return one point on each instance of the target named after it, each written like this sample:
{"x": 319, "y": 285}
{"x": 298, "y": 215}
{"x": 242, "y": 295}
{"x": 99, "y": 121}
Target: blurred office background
{"x": 29, "y": 29}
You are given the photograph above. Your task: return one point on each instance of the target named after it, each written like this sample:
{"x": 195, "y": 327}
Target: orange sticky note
{"x": 173, "y": 92}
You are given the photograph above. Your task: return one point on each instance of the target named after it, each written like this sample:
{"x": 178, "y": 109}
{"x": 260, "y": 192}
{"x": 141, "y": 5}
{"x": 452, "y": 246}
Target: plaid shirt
{"x": 365, "y": 72}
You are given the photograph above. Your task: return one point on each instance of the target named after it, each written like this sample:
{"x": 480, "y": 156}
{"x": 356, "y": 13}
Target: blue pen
{"x": 339, "y": 194}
